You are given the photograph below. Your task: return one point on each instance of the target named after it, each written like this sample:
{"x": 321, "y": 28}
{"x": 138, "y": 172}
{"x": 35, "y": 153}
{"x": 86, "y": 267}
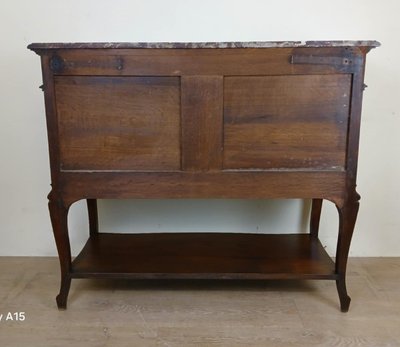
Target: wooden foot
{"x": 62, "y": 297}
{"x": 343, "y": 296}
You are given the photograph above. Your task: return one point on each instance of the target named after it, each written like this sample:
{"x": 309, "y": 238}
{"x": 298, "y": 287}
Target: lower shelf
{"x": 203, "y": 256}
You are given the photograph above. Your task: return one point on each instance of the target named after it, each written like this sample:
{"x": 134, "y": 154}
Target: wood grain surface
{"x": 179, "y": 62}
{"x": 286, "y": 121}
{"x": 203, "y": 255}
{"x": 202, "y": 122}
{"x": 120, "y": 313}
{"x": 118, "y": 123}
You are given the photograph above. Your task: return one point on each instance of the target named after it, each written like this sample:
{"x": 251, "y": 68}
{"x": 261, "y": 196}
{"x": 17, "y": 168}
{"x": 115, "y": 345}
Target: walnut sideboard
{"x": 203, "y": 120}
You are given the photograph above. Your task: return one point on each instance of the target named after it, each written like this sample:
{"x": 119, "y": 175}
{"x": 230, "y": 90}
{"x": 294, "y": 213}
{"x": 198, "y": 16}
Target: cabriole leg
{"x": 59, "y": 220}
{"x": 347, "y": 219}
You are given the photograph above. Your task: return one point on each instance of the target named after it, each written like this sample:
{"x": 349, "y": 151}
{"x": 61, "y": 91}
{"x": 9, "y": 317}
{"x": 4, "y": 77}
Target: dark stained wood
{"x": 202, "y": 120}
{"x": 229, "y": 120}
{"x": 227, "y": 184}
{"x": 347, "y": 220}
{"x": 51, "y": 120}
{"x": 203, "y": 255}
{"x": 315, "y": 216}
{"x": 118, "y": 123}
{"x": 354, "y": 125}
{"x": 59, "y": 220}
{"x": 286, "y": 121}
{"x": 93, "y": 216}
{"x": 348, "y": 210}
{"x": 179, "y": 62}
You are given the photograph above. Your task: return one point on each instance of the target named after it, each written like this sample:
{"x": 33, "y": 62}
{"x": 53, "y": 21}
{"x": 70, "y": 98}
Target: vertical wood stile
{"x": 202, "y": 122}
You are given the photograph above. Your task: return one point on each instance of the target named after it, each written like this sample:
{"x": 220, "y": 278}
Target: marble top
{"x": 183, "y": 45}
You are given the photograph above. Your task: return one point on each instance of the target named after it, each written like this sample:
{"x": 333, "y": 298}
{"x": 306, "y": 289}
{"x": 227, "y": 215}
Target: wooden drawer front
{"x": 286, "y": 122}
{"x": 118, "y": 123}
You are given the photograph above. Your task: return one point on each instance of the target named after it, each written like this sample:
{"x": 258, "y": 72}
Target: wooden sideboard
{"x": 203, "y": 120}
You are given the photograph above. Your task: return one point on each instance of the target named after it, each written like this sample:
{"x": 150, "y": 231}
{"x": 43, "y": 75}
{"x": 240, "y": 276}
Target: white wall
{"x": 24, "y": 222}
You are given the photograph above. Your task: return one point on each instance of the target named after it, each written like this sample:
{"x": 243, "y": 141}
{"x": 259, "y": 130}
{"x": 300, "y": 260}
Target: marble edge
{"x": 199, "y": 45}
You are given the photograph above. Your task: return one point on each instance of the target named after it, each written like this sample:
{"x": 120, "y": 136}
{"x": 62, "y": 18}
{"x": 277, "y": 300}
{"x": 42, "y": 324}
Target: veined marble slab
{"x": 198, "y": 45}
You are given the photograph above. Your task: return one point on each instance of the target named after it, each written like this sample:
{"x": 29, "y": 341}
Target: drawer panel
{"x": 286, "y": 122}
{"x": 118, "y": 123}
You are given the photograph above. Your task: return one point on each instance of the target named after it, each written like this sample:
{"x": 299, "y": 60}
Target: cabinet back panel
{"x": 118, "y": 123}
{"x": 293, "y": 121}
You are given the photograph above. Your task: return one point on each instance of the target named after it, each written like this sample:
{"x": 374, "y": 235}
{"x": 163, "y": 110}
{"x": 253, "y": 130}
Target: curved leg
{"x": 347, "y": 219}
{"x": 315, "y": 217}
{"x": 59, "y": 214}
{"x": 93, "y": 217}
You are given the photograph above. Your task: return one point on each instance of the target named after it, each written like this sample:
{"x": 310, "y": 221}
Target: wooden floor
{"x": 212, "y": 313}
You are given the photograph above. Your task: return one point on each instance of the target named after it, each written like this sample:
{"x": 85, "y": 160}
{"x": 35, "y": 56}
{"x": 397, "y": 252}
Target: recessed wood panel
{"x": 286, "y": 122}
{"x": 118, "y": 123}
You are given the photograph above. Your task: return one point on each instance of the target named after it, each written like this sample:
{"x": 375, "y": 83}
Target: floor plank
{"x": 200, "y": 313}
